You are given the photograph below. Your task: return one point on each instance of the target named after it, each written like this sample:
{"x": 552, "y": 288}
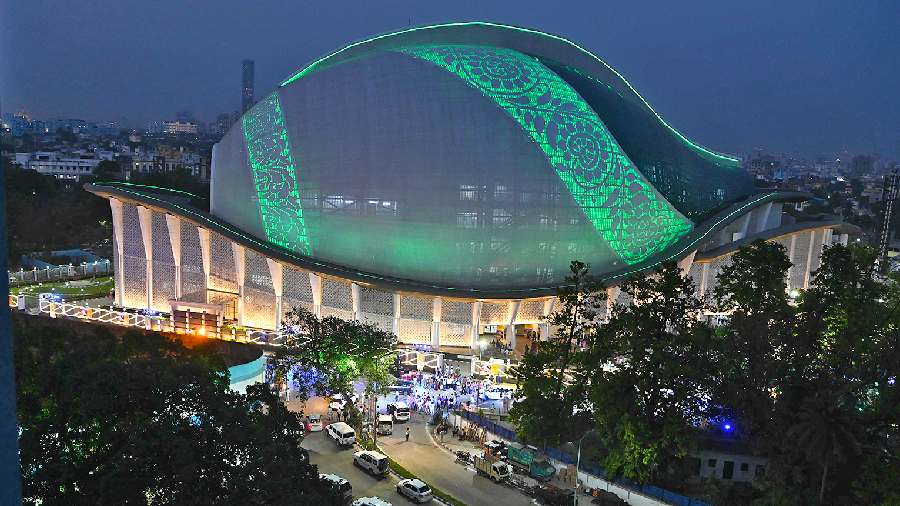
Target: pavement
{"x": 330, "y": 458}
{"x": 422, "y": 455}
{"x": 425, "y": 458}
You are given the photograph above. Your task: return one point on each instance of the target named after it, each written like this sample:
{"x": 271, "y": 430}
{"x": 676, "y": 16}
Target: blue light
{"x": 727, "y": 427}
{"x": 892, "y": 380}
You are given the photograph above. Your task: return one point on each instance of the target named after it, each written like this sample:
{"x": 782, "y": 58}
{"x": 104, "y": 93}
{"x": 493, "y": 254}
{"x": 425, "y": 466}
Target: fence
{"x": 60, "y": 309}
{"x": 596, "y": 471}
{"x": 61, "y": 272}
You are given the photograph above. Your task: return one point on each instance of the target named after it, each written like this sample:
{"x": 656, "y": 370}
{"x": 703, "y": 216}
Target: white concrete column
{"x": 354, "y": 301}
{"x": 844, "y": 239}
{"x": 276, "y": 271}
{"x": 685, "y": 264}
{"x": 809, "y": 254}
{"x": 205, "y": 256}
{"x": 791, "y": 249}
{"x": 704, "y": 274}
{"x": 544, "y": 327}
{"x": 763, "y": 218}
{"x": 745, "y": 226}
{"x": 239, "y": 254}
{"x": 476, "y": 322}
{"x": 436, "y": 323}
{"x": 315, "y": 283}
{"x": 514, "y": 306}
{"x": 173, "y": 224}
{"x": 115, "y": 206}
{"x": 145, "y": 217}
{"x": 611, "y": 294}
{"x": 396, "y": 324}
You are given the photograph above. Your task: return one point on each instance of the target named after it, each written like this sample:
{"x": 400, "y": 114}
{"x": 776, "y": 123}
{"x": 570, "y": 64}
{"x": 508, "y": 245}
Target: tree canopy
{"x": 806, "y": 380}
{"x": 143, "y": 420}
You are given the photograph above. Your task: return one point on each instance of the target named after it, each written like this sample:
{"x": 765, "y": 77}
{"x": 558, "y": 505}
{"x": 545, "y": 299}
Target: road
{"x": 331, "y": 459}
{"x": 436, "y": 467}
{"x": 420, "y": 455}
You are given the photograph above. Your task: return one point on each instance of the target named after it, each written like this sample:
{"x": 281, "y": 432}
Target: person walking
{"x": 407, "y": 434}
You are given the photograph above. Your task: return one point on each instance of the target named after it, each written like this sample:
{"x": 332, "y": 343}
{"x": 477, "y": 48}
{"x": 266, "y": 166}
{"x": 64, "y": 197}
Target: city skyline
{"x": 808, "y": 79}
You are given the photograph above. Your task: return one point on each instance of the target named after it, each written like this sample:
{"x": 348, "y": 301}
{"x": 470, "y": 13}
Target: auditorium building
{"x": 437, "y": 182}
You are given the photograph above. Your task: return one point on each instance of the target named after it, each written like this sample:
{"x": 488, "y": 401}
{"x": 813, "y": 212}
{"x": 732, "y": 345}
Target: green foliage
{"x": 653, "y": 374}
{"x": 339, "y": 350}
{"x": 45, "y": 214}
{"x": 806, "y": 381}
{"x": 758, "y": 345}
{"x": 144, "y": 420}
{"x": 544, "y": 393}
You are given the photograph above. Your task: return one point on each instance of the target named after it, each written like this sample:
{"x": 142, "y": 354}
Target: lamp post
{"x": 578, "y": 465}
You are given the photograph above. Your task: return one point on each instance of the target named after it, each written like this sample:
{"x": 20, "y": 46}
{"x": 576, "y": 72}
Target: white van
{"x": 342, "y": 433}
{"x": 385, "y": 425}
{"x": 371, "y": 462}
{"x": 338, "y": 489}
{"x": 399, "y": 410}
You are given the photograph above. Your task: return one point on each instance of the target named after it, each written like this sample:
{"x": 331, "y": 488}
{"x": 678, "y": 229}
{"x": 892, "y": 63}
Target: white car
{"x": 370, "y": 501}
{"x": 399, "y": 410}
{"x": 339, "y": 400}
{"x": 341, "y": 433}
{"x": 314, "y": 423}
{"x": 338, "y": 488}
{"x": 373, "y": 463}
{"x": 414, "y": 489}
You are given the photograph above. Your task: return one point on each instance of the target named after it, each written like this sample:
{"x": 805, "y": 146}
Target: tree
{"x": 141, "y": 419}
{"x": 824, "y": 433}
{"x": 548, "y": 406}
{"x": 655, "y": 365}
{"x": 108, "y": 170}
{"x": 758, "y": 341}
{"x": 335, "y": 352}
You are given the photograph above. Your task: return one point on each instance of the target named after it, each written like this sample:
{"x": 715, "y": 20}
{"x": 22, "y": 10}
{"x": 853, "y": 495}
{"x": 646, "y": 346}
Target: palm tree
{"x": 824, "y": 433}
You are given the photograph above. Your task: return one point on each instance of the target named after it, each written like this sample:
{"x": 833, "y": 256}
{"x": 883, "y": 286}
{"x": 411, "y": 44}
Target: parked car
{"x": 371, "y": 462}
{"x": 399, "y": 410}
{"x": 415, "y": 490}
{"x": 385, "y": 426}
{"x": 370, "y": 501}
{"x": 314, "y": 423}
{"x": 338, "y": 489}
{"x": 341, "y": 433}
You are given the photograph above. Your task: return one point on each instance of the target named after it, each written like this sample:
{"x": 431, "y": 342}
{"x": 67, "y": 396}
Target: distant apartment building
{"x": 179, "y": 127}
{"x": 169, "y": 161}
{"x": 71, "y": 166}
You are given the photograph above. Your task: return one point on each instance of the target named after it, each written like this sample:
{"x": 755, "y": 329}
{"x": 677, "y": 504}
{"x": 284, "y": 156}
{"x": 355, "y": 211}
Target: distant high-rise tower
{"x": 247, "y": 86}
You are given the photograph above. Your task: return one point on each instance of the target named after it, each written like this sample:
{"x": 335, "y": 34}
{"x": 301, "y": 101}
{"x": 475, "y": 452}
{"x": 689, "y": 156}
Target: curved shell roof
{"x": 471, "y": 155}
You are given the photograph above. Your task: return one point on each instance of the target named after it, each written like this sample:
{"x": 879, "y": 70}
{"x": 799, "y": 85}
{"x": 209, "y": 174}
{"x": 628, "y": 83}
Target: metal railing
{"x": 60, "y": 272}
{"x": 57, "y": 309}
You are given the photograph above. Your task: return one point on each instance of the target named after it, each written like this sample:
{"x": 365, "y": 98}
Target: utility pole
{"x": 889, "y": 193}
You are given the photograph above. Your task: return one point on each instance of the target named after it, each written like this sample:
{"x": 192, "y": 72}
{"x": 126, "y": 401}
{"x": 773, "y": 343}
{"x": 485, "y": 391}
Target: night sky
{"x": 808, "y": 77}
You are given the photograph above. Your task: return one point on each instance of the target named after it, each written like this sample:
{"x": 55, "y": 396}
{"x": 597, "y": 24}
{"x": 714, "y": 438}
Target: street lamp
{"x": 578, "y": 465}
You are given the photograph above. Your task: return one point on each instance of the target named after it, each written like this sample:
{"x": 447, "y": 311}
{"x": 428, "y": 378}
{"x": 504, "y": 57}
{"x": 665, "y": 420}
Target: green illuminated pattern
{"x": 734, "y": 162}
{"x": 624, "y": 208}
{"x": 274, "y": 175}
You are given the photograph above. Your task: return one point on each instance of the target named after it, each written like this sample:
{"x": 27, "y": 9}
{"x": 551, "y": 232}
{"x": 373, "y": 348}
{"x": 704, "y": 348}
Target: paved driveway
{"x": 437, "y": 467}
{"x": 331, "y": 459}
